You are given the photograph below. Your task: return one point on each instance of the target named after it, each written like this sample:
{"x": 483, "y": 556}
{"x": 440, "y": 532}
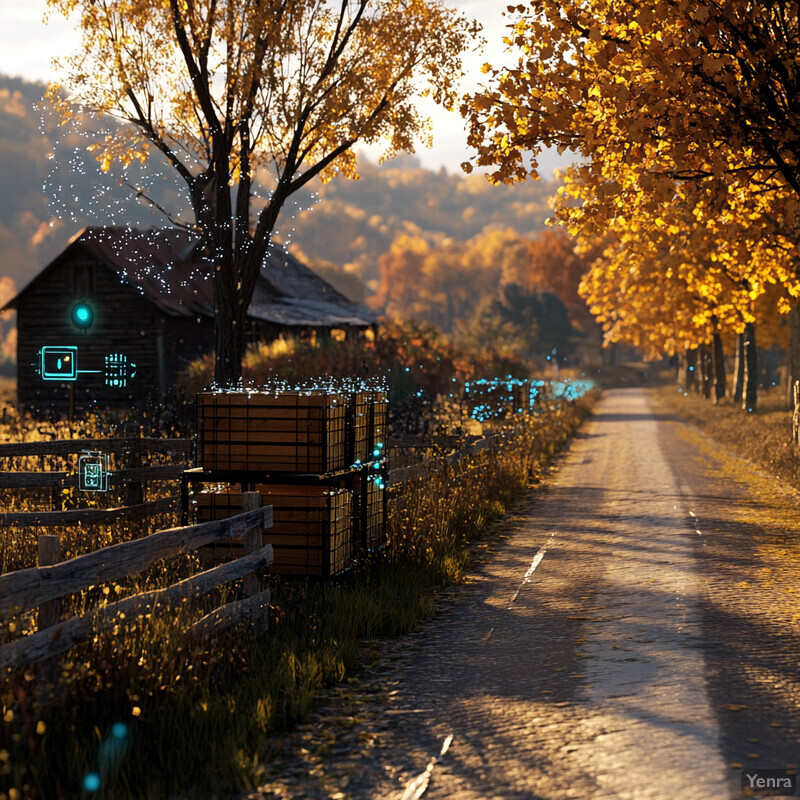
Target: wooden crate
{"x": 498, "y": 397}
{"x": 282, "y": 432}
{"x": 358, "y": 427}
{"x": 369, "y": 519}
{"x": 379, "y": 424}
{"x": 311, "y": 532}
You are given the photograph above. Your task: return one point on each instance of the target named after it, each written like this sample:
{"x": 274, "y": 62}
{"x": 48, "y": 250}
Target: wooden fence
{"x": 398, "y": 477}
{"x": 133, "y": 477}
{"x": 44, "y": 586}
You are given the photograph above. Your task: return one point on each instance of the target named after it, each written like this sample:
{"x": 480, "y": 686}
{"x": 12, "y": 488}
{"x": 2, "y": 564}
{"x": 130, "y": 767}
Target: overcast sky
{"x": 27, "y": 45}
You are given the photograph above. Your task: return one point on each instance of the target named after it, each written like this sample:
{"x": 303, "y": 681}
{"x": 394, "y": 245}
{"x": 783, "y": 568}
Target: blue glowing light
{"x": 119, "y": 730}
{"x": 93, "y": 472}
{"x": 118, "y": 370}
{"x": 82, "y": 316}
{"x": 91, "y": 782}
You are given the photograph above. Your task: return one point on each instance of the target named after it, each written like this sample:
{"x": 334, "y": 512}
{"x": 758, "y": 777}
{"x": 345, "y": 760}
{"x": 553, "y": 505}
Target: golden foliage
{"x": 223, "y": 88}
{"x": 690, "y": 153}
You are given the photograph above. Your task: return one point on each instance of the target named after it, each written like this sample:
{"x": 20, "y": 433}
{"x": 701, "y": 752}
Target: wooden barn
{"x": 119, "y": 312}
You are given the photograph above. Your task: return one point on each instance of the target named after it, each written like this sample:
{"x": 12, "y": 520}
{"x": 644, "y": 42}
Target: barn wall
{"x": 186, "y": 338}
{"x": 125, "y": 323}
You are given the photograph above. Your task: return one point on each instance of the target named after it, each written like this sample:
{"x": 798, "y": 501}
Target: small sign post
{"x": 93, "y": 472}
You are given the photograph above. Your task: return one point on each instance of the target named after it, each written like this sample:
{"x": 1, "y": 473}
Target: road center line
{"x": 537, "y": 559}
{"x": 416, "y": 787}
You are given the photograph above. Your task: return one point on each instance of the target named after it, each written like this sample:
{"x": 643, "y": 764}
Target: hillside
{"x": 356, "y": 222}
{"x": 53, "y": 188}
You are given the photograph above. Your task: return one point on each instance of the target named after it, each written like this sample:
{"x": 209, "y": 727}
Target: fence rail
{"x": 65, "y": 480}
{"x": 86, "y": 516}
{"x": 397, "y": 477}
{"x": 62, "y": 447}
{"x": 128, "y": 479}
{"x": 41, "y": 586}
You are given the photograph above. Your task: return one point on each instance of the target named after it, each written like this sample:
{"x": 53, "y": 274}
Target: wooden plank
{"x": 65, "y": 635}
{"x": 71, "y": 446}
{"x": 166, "y": 472}
{"x": 49, "y": 480}
{"x": 263, "y": 464}
{"x": 250, "y": 609}
{"x": 302, "y": 427}
{"x": 49, "y": 554}
{"x": 32, "y": 480}
{"x": 27, "y": 588}
{"x": 88, "y": 516}
{"x": 252, "y": 542}
{"x": 294, "y": 448}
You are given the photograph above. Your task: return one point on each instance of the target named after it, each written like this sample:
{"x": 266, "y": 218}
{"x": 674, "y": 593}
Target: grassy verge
{"x": 763, "y": 437}
{"x": 141, "y": 714}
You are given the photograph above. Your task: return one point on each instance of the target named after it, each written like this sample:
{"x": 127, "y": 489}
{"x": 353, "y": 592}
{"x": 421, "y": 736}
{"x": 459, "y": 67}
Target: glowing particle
{"x": 119, "y": 730}
{"x": 91, "y": 782}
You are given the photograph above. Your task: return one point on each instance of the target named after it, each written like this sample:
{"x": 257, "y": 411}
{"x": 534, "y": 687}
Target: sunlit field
{"x": 143, "y": 711}
{"x": 764, "y": 436}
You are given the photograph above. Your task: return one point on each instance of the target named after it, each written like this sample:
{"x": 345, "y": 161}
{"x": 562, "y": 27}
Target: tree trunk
{"x": 750, "y": 393}
{"x": 683, "y": 373}
{"x": 793, "y": 371}
{"x": 738, "y": 384}
{"x": 691, "y": 369}
{"x": 705, "y": 371}
{"x": 720, "y": 378}
{"x": 229, "y": 325}
{"x": 228, "y": 348}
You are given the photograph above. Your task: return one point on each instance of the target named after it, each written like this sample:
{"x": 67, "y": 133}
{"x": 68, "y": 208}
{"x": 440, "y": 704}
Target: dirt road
{"x": 634, "y": 635}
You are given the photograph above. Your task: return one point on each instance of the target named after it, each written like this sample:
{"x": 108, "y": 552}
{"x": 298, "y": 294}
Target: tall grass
{"x": 763, "y": 437}
{"x": 142, "y": 713}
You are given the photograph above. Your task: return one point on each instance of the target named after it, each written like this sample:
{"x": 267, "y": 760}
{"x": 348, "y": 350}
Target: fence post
{"x": 49, "y": 554}
{"x": 253, "y": 540}
{"x": 133, "y": 460}
{"x": 796, "y": 413}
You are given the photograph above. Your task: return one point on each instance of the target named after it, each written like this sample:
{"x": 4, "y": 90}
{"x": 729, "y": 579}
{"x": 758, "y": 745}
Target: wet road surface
{"x": 634, "y": 635}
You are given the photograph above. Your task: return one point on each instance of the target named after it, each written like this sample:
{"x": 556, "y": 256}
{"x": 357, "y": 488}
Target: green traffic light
{"x": 82, "y": 316}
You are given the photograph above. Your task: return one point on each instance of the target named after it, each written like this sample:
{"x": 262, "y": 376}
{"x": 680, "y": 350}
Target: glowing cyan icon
{"x": 82, "y": 316}
{"x": 58, "y": 363}
{"x": 93, "y": 472}
{"x": 118, "y": 370}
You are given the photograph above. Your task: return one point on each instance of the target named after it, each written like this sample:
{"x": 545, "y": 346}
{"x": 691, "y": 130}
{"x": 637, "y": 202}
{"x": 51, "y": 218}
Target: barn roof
{"x": 162, "y": 265}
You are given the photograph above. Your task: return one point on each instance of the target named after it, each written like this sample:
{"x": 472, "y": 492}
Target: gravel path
{"x": 633, "y": 635}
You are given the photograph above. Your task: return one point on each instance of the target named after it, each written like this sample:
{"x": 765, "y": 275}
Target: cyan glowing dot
{"x": 119, "y": 730}
{"x": 82, "y": 314}
{"x": 91, "y": 782}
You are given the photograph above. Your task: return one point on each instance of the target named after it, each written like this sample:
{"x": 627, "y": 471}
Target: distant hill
{"x": 342, "y": 236}
{"x": 356, "y": 221}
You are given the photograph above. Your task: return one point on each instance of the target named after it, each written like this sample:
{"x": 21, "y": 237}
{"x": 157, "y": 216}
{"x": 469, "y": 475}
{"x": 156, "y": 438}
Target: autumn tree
{"x": 555, "y": 266}
{"x": 441, "y": 280}
{"x": 687, "y": 276}
{"x": 221, "y": 89}
{"x": 652, "y": 97}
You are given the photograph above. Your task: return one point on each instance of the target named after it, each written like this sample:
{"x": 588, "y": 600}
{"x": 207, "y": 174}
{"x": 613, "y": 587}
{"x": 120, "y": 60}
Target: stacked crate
{"x": 497, "y": 397}
{"x": 359, "y": 404}
{"x": 372, "y": 494}
{"x": 311, "y": 532}
{"x": 316, "y": 456}
{"x": 302, "y": 432}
